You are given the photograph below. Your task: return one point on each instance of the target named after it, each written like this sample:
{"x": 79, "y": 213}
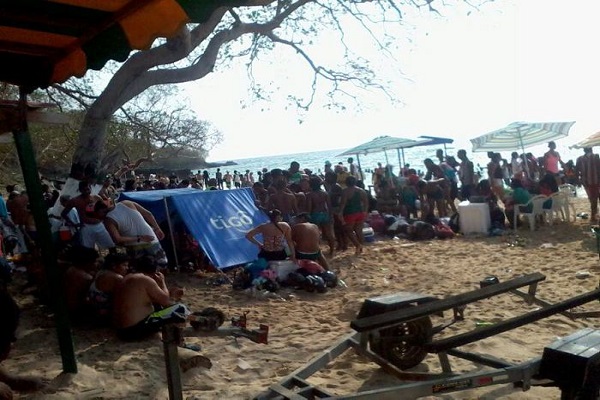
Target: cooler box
{"x": 474, "y": 217}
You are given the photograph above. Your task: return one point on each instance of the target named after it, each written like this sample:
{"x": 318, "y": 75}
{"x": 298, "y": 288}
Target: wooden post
{"x": 171, "y": 337}
{"x": 34, "y": 192}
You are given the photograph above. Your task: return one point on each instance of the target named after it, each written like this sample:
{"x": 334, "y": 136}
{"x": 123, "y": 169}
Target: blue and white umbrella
{"x": 520, "y": 135}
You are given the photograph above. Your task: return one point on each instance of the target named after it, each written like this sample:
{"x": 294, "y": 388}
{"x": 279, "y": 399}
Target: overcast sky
{"x": 527, "y": 60}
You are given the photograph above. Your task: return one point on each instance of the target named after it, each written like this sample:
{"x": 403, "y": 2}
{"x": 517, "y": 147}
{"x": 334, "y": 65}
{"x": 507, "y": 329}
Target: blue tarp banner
{"x": 153, "y": 200}
{"x": 218, "y": 219}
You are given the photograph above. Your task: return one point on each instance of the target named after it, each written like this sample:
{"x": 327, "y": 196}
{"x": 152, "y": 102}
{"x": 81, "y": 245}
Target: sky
{"x": 457, "y": 76}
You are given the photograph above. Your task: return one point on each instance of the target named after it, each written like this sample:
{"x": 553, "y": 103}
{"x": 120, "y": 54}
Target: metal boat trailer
{"x": 396, "y": 332}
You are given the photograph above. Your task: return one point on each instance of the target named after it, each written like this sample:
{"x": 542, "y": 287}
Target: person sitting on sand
{"x": 307, "y": 239}
{"x": 354, "y": 207}
{"x": 78, "y": 278}
{"x": 101, "y": 291}
{"x": 143, "y": 304}
{"x": 276, "y": 234}
{"x": 8, "y": 328}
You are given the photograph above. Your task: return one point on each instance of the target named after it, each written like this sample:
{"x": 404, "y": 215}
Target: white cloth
{"x": 131, "y": 222}
{"x": 96, "y": 234}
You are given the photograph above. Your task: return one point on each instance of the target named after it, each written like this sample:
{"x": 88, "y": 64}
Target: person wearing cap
{"x": 327, "y": 167}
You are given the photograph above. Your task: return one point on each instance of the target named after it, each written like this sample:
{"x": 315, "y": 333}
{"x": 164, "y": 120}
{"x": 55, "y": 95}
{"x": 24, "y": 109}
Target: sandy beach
{"x": 303, "y": 324}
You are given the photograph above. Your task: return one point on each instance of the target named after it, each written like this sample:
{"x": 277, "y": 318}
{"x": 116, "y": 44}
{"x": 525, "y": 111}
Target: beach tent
{"x": 218, "y": 219}
{"x": 48, "y": 42}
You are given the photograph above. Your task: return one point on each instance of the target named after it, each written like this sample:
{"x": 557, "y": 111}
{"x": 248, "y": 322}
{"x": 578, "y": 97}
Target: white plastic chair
{"x": 560, "y": 207}
{"x": 537, "y": 209}
{"x": 570, "y": 192}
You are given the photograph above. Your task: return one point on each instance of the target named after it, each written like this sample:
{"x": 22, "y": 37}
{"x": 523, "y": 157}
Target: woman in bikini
{"x": 276, "y": 235}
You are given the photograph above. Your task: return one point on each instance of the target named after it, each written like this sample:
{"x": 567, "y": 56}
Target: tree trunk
{"x": 90, "y": 148}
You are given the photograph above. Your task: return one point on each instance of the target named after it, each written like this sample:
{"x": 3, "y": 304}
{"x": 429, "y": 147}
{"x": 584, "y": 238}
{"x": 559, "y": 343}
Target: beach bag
{"x": 422, "y": 231}
{"x": 443, "y": 231}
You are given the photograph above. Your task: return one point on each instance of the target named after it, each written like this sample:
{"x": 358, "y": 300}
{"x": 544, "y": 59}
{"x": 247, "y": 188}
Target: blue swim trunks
{"x": 320, "y": 218}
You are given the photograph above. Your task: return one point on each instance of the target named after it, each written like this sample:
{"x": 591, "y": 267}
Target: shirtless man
{"x": 261, "y": 194}
{"x": 320, "y": 211}
{"x": 108, "y": 192}
{"x": 301, "y": 205}
{"x": 135, "y": 316}
{"x": 307, "y": 237}
{"x": 92, "y": 230}
{"x": 436, "y": 174}
{"x": 283, "y": 200}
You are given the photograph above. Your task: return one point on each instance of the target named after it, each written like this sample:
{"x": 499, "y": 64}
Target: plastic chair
{"x": 537, "y": 209}
{"x": 570, "y": 192}
{"x": 569, "y": 189}
{"x": 560, "y": 207}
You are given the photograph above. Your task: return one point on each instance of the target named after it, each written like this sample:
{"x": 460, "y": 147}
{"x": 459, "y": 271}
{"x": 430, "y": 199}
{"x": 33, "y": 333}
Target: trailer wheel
{"x": 403, "y": 345}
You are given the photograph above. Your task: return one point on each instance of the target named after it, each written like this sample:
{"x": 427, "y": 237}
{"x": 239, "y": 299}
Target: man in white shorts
{"x": 92, "y": 233}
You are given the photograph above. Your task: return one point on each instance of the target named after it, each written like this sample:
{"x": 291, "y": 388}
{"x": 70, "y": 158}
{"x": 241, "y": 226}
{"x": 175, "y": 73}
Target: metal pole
{"x": 524, "y": 155}
{"x": 359, "y": 167}
{"x": 171, "y": 233}
{"x": 33, "y": 185}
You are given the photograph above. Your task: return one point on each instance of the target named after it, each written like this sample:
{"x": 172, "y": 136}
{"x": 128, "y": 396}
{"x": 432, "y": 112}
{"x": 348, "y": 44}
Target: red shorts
{"x": 354, "y": 218}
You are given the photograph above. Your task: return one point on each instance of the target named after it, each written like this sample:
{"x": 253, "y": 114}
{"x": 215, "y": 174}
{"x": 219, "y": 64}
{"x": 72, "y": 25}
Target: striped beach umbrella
{"x": 590, "y": 141}
{"x": 520, "y": 135}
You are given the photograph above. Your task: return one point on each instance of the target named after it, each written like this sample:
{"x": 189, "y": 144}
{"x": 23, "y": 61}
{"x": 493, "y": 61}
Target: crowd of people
{"x": 502, "y": 183}
{"x": 114, "y": 262}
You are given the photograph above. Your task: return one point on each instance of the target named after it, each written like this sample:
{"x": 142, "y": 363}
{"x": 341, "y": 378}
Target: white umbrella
{"x": 590, "y": 141}
{"x": 520, "y": 135}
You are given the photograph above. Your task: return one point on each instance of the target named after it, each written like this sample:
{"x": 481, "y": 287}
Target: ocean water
{"x": 315, "y": 160}
{"x": 414, "y": 156}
